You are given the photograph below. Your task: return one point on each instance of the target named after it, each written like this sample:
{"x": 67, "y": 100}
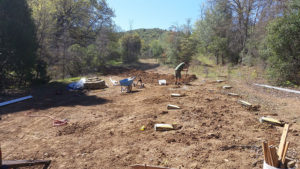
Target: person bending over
{"x": 181, "y": 67}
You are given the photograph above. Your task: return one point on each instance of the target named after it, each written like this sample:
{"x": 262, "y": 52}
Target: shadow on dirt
{"x": 51, "y": 95}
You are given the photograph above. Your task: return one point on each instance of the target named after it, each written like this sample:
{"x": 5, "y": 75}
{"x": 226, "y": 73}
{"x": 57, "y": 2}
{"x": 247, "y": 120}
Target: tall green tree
{"x": 283, "y": 48}
{"x": 213, "y": 32}
{"x": 156, "y": 49}
{"x": 62, "y": 25}
{"x": 18, "y": 45}
{"x": 131, "y": 48}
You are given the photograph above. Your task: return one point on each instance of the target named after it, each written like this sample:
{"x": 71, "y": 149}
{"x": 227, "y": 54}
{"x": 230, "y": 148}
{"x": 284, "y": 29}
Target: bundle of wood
{"x": 273, "y": 158}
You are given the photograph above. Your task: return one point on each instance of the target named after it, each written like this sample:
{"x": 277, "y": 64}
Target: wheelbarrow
{"x": 126, "y": 84}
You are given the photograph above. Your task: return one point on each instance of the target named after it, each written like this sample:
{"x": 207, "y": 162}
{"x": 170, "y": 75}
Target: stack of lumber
{"x": 273, "y": 158}
{"x": 94, "y": 83}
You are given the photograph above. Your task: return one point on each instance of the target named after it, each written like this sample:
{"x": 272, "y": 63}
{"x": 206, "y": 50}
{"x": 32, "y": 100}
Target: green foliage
{"x": 131, "y": 48}
{"x": 18, "y": 46}
{"x": 75, "y": 36}
{"x": 147, "y": 37}
{"x": 282, "y": 49}
{"x": 156, "y": 49}
{"x": 211, "y": 33}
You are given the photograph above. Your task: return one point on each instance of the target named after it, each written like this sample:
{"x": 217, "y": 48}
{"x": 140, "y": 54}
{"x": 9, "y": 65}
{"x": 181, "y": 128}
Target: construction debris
{"x": 273, "y": 159}
{"x": 271, "y": 121}
{"x": 244, "y": 103}
{"x": 141, "y": 166}
{"x": 233, "y": 94}
{"x": 227, "y": 87}
{"x": 22, "y": 163}
{"x": 219, "y": 81}
{"x": 249, "y": 106}
{"x": 163, "y": 127}
{"x": 170, "y": 106}
{"x": 291, "y": 164}
{"x": 177, "y": 95}
{"x": 15, "y": 100}
{"x": 162, "y": 82}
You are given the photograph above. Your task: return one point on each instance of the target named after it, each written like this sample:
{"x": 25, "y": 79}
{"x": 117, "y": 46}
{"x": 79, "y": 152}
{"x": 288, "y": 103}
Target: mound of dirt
{"x": 149, "y": 77}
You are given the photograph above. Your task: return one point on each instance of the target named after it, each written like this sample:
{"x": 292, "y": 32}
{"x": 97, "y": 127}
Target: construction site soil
{"x": 103, "y": 132}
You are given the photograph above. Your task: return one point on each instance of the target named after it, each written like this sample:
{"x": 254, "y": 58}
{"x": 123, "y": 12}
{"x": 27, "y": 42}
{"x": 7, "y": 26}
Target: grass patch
{"x": 68, "y": 80}
{"x": 114, "y": 63}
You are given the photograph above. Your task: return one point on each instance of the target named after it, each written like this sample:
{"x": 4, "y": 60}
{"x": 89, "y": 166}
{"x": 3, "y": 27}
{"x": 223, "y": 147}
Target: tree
{"x": 214, "y": 32}
{"x": 156, "y": 49}
{"x": 18, "y": 45}
{"x": 131, "y": 48}
{"x": 64, "y": 23}
{"x": 283, "y": 48}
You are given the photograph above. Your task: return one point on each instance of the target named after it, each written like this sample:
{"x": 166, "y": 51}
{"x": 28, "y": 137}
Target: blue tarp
{"x": 77, "y": 85}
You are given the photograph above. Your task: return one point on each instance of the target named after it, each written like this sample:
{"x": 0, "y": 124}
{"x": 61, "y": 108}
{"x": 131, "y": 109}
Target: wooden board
{"x": 285, "y": 151}
{"x": 244, "y": 103}
{"x": 274, "y": 157}
{"x": 265, "y": 151}
{"x": 283, "y": 141}
{"x": 24, "y": 163}
{"x": 271, "y": 162}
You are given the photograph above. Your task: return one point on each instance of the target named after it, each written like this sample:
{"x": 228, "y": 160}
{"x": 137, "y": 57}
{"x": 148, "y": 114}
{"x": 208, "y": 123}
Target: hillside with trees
{"x": 42, "y": 40}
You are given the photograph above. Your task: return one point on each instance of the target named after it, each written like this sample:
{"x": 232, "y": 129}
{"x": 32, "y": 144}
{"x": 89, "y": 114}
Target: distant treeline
{"x": 42, "y": 39}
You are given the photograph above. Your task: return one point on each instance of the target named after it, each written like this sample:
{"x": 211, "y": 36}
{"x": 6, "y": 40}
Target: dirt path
{"x": 104, "y": 129}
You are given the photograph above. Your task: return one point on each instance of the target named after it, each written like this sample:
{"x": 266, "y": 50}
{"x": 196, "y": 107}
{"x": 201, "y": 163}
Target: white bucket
{"x": 267, "y": 166}
{"x": 162, "y": 82}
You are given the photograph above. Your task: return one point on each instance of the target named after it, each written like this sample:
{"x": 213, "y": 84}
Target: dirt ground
{"x": 104, "y": 125}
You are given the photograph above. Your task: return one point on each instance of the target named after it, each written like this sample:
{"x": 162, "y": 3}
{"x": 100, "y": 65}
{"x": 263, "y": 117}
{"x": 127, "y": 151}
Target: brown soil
{"x": 104, "y": 129}
{"x": 152, "y": 77}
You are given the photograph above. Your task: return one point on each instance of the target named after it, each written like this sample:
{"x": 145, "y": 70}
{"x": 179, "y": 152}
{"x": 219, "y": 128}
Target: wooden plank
{"x": 274, "y": 157}
{"x": 141, "y": 166}
{"x": 244, "y": 103}
{"x": 265, "y": 151}
{"x": 271, "y": 143}
{"x": 25, "y": 163}
{"x": 283, "y": 140}
{"x": 271, "y": 121}
{"x": 271, "y": 162}
{"x": 284, "y": 152}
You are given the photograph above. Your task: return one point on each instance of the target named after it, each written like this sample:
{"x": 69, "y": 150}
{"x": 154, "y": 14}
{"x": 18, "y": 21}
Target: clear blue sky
{"x": 154, "y": 13}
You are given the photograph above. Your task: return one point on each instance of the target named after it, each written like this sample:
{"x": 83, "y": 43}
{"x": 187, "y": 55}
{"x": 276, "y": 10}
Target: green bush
{"x": 282, "y": 49}
{"x": 131, "y": 48}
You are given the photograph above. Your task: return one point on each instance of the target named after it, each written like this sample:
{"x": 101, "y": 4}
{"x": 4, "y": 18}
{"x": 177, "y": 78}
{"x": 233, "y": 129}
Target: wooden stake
{"x": 285, "y": 151}
{"x": 274, "y": 156}
{"x": 267, "y": 154}
{"x": 282, "y": 141}
{"x": 265, "y": 150}
{"x": 271, "y": 162}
